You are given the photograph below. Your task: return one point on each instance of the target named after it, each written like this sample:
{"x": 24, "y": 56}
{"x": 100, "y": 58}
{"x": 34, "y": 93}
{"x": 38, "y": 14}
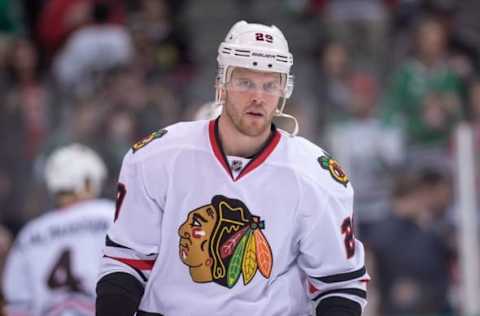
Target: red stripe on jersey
{"x": 263, "y": 155}
{"x": 311, "y": 288}
{"x": 216, "y": 147}
{"x": 257, "y": 161}
{"x": 138, "y": 264}
{"x": 76, "y": 305}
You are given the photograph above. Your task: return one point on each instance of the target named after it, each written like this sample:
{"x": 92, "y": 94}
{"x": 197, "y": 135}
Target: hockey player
{"x": 232, "y": 216}
{"x": 52, "y": 266}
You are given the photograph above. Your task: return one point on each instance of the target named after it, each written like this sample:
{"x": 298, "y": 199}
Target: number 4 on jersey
{"x": 61, "y": 275}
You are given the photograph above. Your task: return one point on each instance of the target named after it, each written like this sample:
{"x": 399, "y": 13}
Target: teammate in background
{"x": 53, "y": 264}
{"x": 234, "y": 216}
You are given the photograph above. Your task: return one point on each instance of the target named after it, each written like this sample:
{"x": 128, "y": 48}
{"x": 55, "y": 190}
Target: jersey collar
{"x": 256, "y": 160}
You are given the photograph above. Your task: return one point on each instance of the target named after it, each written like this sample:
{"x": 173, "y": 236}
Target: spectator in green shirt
{"x": 423, "y": 97}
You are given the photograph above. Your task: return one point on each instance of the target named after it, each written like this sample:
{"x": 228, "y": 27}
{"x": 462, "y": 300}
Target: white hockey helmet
{"x": 257, "y": 47}
{"x": 68, "y": 168}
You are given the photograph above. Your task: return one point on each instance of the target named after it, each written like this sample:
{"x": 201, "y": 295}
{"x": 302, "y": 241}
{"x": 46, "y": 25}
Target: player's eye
{"x": 243, "y": 84}
{"x": 271, "y": 87}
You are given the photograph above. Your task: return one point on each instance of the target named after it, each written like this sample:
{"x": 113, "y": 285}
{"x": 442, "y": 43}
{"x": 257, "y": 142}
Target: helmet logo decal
{"x": 144, "y": 142}
{"x": 221, "y": 241}
{"x": 337, "y": 173}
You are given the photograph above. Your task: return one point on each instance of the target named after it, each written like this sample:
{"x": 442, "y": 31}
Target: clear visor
{"x": 274, "y": 86}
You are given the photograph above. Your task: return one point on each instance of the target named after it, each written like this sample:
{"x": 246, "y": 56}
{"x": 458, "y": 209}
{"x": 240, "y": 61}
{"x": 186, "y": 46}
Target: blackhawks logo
{"x": 142, "y": 143}
{"x": 223, "y": 240}
{"x": 337, "y": 173}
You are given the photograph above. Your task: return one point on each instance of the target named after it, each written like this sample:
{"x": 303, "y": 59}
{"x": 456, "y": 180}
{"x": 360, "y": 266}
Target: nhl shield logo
{"x": 237, "y": 165}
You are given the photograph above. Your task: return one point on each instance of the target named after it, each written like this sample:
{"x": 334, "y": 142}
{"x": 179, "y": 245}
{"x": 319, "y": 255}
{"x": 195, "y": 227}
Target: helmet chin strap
{"x": 279, "y": 113}
{"x": 295, "y": 122}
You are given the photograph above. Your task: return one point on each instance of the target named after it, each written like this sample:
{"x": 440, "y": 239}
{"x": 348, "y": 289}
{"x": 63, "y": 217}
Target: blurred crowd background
{"x": 380, "y": 84}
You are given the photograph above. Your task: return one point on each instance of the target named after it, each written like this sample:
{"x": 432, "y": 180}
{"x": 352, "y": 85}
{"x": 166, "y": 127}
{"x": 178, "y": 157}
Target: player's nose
{"x": 258, "y": 96}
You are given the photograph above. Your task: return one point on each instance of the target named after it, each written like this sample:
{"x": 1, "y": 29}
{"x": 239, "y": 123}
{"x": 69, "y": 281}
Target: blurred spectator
{"x": 439, "y": 113}
{"x": 467, "y": 28}
{"x": 51, "y": 269}
{"x": 439, "y": 201}
{"x": 24, "y": 117}
{"x": 152, "y": 103}
{"x": 29, "y": 95}
{"x": 11, "y": 17}
{"x": 362, "y": 26}
{"x": 59, "y": 18}
{"x": 332, "y": 84}
{"x": 5, "y": 48}
{"x": 91, "y": 50}
{"x": 403, "y": 15}
{"x": 162, "y": 45}
{"x": 82, "y": 124}
{"x": 423, "y": 97}
{"x": 307, "y": 8}
{"x": 120, "y": 134}
{"x": 10, "y": 124}
{"x": 369, "y": 152}
{"x": 412, "y": 259}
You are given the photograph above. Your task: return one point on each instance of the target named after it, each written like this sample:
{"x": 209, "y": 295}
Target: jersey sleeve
{"x": 16, "y": 281}
{"x": 132, "y": 241}
{"x": 331, "y": 257}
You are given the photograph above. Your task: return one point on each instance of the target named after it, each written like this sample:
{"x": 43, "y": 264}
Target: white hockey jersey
{"x": 272, "y": 237}
{"x": 52, "y": 267}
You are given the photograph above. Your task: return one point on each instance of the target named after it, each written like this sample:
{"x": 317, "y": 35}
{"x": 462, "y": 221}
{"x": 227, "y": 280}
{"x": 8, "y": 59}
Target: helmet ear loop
{"x": 219, "y": 99}
{"x": 295, "y": 130}
{"x": 220, "y": 89}
{"x": 281, "y": 107}
{"x": 220, "y": 95}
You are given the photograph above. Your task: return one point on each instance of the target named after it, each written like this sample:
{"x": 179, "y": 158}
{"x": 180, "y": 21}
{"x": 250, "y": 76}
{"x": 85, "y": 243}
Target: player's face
{"x": 195, "y": 235}
{"x": 251, "y": 98}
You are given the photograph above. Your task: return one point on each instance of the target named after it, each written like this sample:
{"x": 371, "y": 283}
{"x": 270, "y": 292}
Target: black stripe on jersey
{"x": 342, "y": 277}
{"x": 355, "y": 292}
{"x": 111, "y": 243}
{"x": 142, "y": 313}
